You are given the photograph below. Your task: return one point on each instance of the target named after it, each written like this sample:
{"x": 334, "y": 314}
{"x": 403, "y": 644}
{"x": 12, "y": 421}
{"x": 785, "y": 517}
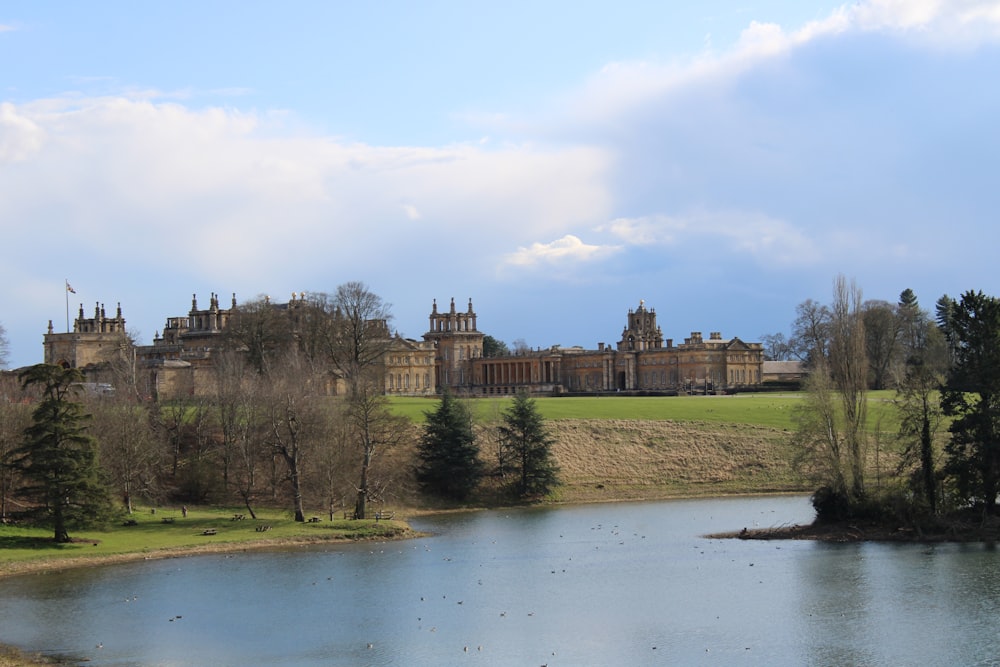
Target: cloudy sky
{"x": 556, "y": 162}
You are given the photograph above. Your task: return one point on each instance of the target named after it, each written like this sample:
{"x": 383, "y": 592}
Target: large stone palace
{"x": 450, "y": 354}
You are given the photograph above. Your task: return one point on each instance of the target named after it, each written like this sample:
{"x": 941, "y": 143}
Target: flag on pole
{"x": 69, "y": 288}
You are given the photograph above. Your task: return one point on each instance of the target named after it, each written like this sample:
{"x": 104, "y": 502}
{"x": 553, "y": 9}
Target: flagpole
{"x": 67, "y": 290}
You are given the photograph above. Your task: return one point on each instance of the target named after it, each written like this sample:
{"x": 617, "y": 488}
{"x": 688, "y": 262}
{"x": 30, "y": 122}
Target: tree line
{"x": 945, "y": 370}
{"x": 296, "y": 416}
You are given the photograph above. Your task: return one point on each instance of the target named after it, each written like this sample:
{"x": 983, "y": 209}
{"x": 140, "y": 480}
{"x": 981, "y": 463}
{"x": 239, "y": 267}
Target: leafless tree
{"x": 121, "y": 363}
{"x": 355, "y": 336}
{"x": 261, "y": 331}
{"x": 15, "y": 415}
{"x": 239, "y": 386}
{"x": 849, "y": 372}
{"x": 810, "y": 331}
{"x": 374, "y": 428}
{"x": 334, "y": 460}
{"x": 832, "y": 420}
{"x": 296, "y": 424}
{"x": 882, "y": 340}
{"x": 129, "y": 453}
{"x": 818, "y": 432}
{"x": 777, "y": 347}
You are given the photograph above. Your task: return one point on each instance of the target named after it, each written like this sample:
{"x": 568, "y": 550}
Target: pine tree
{"x": 449, "y": 464}
{"x": 971, "y": 397}
{"x": 528, "y": 446}
{"x": 58, "y": 459}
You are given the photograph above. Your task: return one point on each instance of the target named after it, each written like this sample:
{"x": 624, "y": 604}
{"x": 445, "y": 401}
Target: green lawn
{"x": 152, "y": 534}
{"x": 764, "y": 409}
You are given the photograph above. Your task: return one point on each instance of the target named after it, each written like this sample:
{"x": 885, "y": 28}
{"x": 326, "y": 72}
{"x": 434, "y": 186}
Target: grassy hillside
{"x": 763, "y": 409}
{"x": 627, "y": 447}
{"x": 608, "y": 459}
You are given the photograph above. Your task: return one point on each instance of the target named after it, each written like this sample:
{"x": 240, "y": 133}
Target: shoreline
{"x": 25, "y": 568}
{"x": 956, "y": 531}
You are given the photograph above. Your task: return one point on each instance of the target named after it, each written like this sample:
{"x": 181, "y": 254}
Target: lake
{"x": 614, "y": 584}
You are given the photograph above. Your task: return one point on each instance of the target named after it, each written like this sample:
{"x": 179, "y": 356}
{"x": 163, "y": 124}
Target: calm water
{"x": 624, "y": 584}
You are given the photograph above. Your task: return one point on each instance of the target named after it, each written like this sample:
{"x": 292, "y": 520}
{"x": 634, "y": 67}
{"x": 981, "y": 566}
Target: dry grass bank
{"x": 607, "y": 460}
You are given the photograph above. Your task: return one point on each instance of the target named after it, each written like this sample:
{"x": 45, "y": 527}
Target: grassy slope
{"x": 618, "y": 447}
{"x": 605, "y": 459}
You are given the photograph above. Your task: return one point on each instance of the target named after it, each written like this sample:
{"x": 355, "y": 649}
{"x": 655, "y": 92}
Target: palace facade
{"x": 450, "y": 354}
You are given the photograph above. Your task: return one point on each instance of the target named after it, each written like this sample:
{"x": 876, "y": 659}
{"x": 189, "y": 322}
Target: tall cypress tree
{"x": 57, "y": 458}
{"x": 449, "y": 464}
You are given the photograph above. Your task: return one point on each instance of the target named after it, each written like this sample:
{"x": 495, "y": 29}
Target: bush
{"x": 831, "y": 505}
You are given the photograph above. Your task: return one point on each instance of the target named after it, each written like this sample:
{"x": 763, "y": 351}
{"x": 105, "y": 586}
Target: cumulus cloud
{"x": 564, "y": 252}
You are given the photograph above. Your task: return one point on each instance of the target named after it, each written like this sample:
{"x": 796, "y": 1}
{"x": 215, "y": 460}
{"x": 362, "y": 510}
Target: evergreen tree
{"x": 58, "y": 459}
{"x": 925, "y": 361}
{"x": 528, "y": 446}
{"x": 449, "y": 464}
{"x": 971, "y": 396}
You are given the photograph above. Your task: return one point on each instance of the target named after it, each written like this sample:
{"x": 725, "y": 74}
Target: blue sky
{"x": 556, "y": 162}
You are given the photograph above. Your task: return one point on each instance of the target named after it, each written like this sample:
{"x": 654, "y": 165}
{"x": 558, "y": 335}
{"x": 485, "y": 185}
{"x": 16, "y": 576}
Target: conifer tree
{"x": 528, "y": 446}
{"x": 971, "y": 397}
{"x": 448, "y": 456}
{"x": 58, "y": 459}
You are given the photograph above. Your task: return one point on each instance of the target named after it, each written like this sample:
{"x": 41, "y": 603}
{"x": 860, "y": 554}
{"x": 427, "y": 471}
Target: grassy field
{"x": 773, "y": 410}
{"x": 152, "y": 537}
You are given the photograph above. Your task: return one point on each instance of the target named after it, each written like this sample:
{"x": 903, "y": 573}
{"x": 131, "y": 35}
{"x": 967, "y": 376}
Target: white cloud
{"x": 223, "y": 193}
{"x": 764, "y": 240}
{"x": 621, "y": 87}
{"x": 19, "y": 135}
{"x": 564, "y": 252}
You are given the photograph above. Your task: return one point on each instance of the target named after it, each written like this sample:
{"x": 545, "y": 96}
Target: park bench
{"x": 208, "y": 531}
{"x": 167, "y": 519}
{"x": 262, "y": 529}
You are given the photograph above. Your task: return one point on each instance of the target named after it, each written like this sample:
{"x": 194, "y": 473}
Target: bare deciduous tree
{"x": 15, "y": 415}
{"x": 296, "y": 424}
{"x": 831, "y": 422}
{"x": 810, "y": 331}
{"x": 129, "y": 454}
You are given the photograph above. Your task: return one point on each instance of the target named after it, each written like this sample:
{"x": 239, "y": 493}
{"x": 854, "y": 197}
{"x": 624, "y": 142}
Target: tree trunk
{"x": 246, "y": 503}
{"x": 300, "y": 514}
{"x": 927, "y": 462}
{"x": 61, "y": 536}
{"x": 359, "y": 506}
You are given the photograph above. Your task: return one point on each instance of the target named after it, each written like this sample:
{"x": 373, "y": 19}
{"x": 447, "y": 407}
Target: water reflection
{"x": 592, "y": 585}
